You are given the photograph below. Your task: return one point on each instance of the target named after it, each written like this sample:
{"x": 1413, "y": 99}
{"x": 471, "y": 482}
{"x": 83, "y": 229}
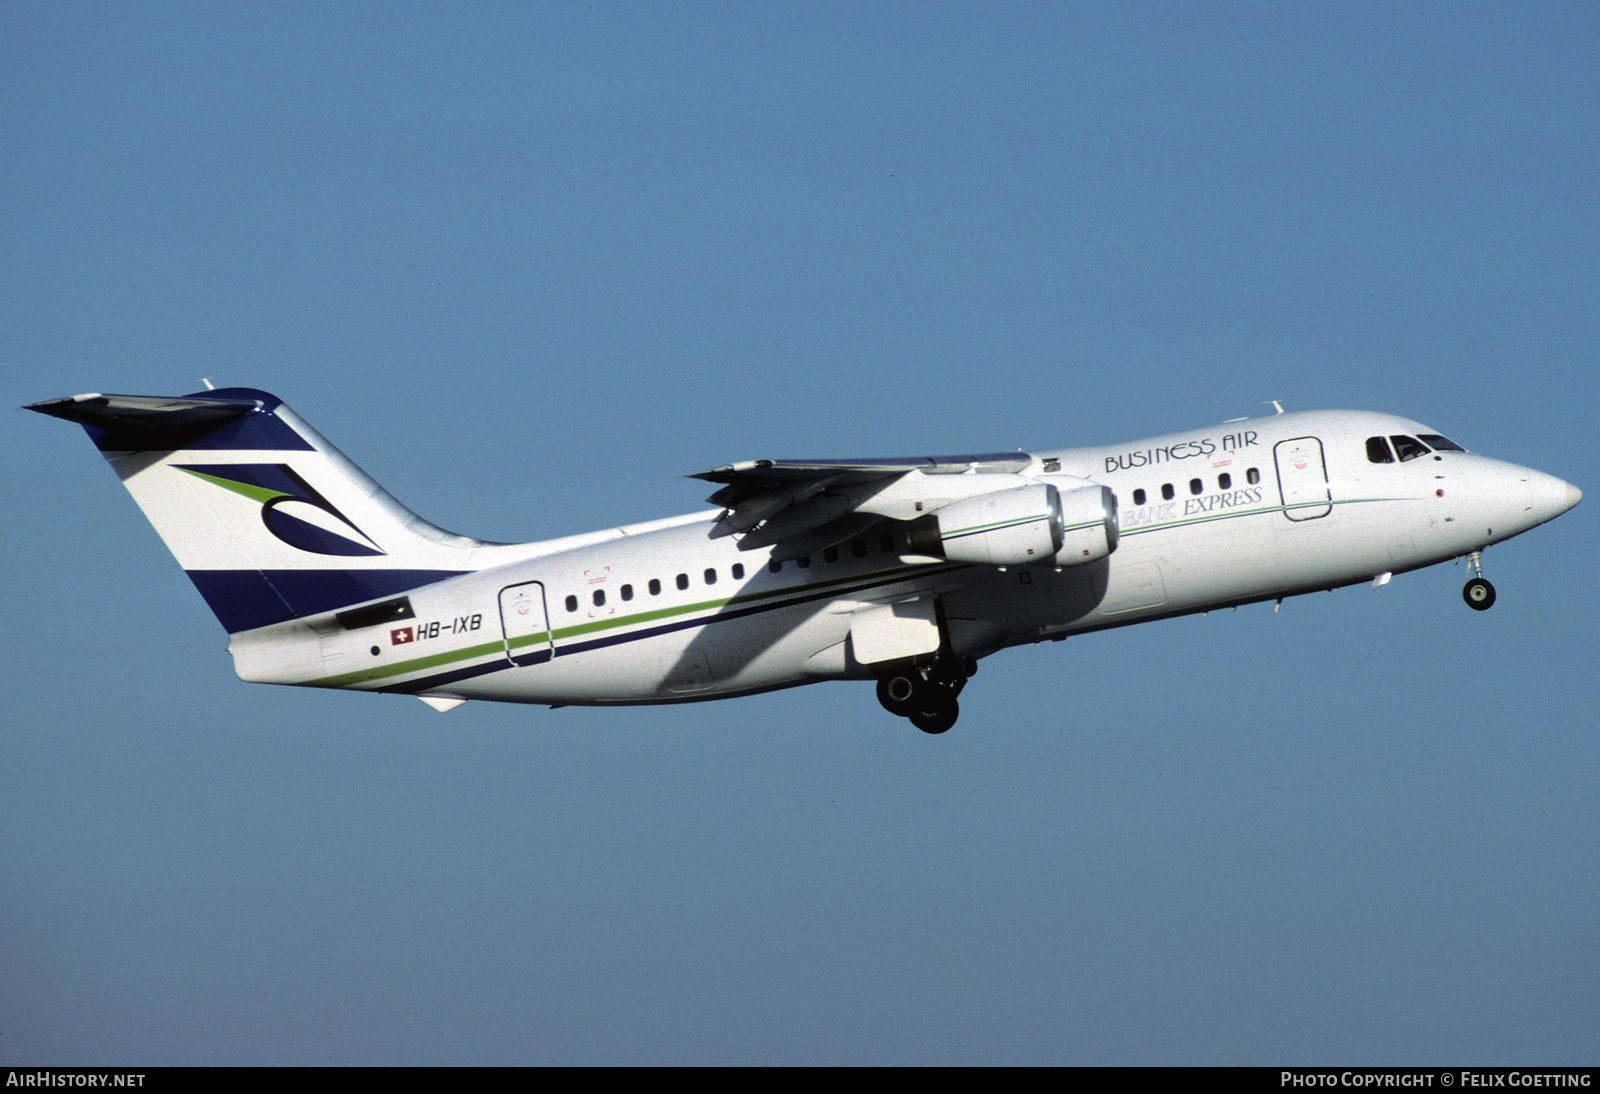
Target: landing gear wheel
{"x": 937, "y": 720}
{"x": 925, "y": 694}
{"x": 1478, "y": 594}
{"x": 896, "y": 693}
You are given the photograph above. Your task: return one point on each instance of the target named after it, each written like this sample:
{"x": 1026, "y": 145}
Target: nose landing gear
{"x": 927, "y": 695}
{"x": 1477, "y": 592}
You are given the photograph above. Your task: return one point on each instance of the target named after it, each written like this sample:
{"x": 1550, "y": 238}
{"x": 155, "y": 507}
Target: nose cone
{"x": 1550, "y": 497}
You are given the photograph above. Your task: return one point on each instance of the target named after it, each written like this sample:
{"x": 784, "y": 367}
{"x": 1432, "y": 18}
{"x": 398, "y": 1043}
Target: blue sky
{"x": 530, "y": 264}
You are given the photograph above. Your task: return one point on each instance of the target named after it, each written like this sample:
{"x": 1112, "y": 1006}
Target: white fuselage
{"x": 662, "y": 612}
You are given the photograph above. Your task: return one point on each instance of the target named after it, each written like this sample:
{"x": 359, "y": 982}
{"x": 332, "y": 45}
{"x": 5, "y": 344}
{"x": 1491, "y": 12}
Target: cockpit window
{"x": 1378, "y": 451}
{"x": 1409, "y": 448}
{"x": 1441, "y": 444}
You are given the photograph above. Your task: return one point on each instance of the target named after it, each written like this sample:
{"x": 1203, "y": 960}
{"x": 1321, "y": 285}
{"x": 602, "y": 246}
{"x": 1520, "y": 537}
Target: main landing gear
{"x": 927, "y": 694}
{"x": 1477, "y": 592}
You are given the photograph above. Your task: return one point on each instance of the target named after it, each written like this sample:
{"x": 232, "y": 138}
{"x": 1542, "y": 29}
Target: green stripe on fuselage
{"x": 482, "y": 649}
{"x": 890, "y": 576}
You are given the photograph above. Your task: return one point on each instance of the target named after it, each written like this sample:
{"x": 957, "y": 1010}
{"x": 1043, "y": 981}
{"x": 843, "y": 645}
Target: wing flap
{"x": 824, "y": 536}
{"x": 775, "y": 472}
{"x": 803, "y": 504}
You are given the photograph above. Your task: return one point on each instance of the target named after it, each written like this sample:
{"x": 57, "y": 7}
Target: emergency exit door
{"x": 526, "y": 624}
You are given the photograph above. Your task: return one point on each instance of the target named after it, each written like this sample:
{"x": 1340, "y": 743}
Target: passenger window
{"x": 655, "y": 586}
{"x": 1440, "y": 444}
{"x": 1252, "y": 476}
{"x": 683, "y": 581}
{"x": 858, "y": 547}
{"x": 1224, "y": 481}
{"x": 1378, "y": 451}
{"x": 1167, "y": 492}
{"x": 830, "y": 554}
{"x": 1408, "y": 448}
{"x": 738, "y": 571}
{"x": 711, "y": 577}
{"x": 803, "y": 561}
{"x": 627, "y": 592}
{"x": 775, "y": 566}
{"x": 599, "y": 598}
{"x": 1138, "y": 497}
{"x": 886, "y": 544}
{"x": 1195, "y": 486}
{"x": 572, "y": 603}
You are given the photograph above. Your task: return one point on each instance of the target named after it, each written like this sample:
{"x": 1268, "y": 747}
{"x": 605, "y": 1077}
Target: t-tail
{"x": 269, "y": 520}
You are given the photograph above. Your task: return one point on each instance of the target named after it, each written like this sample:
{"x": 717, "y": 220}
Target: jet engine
{"x": 1022, "y": 524}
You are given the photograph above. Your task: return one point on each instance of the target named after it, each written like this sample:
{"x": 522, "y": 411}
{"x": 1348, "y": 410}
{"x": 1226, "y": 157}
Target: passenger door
{"x": 1302, "y": 478}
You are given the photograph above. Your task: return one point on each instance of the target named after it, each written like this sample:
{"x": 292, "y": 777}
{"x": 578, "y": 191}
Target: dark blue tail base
{"x": 246, "y": 599}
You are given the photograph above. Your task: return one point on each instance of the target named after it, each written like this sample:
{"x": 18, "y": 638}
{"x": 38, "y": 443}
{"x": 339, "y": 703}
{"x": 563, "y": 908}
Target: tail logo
{"x": 291, "y": 508}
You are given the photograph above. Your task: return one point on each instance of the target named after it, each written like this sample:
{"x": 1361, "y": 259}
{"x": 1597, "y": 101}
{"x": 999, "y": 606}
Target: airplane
{"x": 902, "y": 571}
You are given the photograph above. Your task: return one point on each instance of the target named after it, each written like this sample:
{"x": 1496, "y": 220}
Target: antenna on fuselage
{"x": 1275, "y": 405}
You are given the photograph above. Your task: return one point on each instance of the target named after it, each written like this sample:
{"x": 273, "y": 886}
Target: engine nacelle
{"x": 1088, "y": 525}
{"x": 1021, "y": 525}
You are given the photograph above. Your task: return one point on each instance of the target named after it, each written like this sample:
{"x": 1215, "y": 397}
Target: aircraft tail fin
{"x": 268, "y": 519}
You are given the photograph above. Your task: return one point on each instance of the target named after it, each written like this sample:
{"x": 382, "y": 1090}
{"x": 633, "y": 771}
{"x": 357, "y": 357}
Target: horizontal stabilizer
{"x": 236, "y": 418}
{"x": 143, "y": 411}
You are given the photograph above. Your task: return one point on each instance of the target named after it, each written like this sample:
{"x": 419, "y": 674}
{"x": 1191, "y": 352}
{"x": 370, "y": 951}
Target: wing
{"x": 807, "y": 505}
